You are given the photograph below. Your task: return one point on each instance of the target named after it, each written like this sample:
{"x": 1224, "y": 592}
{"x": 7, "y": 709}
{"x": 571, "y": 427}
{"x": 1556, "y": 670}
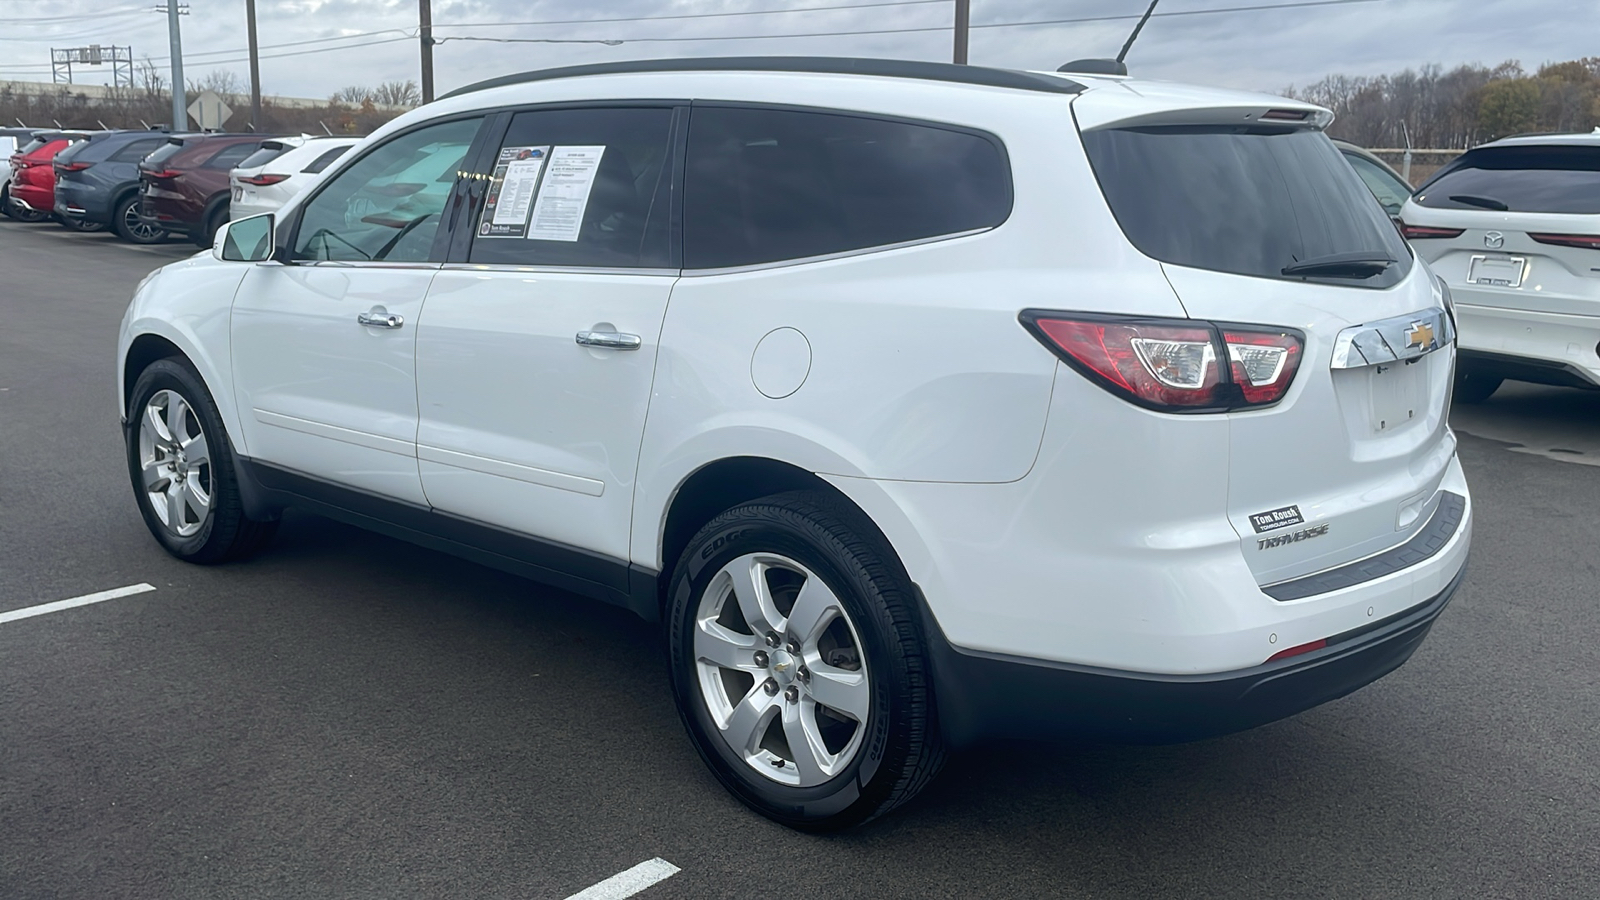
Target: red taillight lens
{"x": 263, "y": 180}
{"x": 1174, "y": 365}
{"x": 1584, "y": 241}
{"x": 1296, "y": 651}
{"x": 1262, "y": 363}
{"x": 1413, "y": 232}
{"x": 163, "y": 173}
{"x": 72, "y": 166}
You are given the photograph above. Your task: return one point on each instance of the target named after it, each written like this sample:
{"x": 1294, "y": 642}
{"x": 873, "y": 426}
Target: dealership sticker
{"x": 1276, "y": 518}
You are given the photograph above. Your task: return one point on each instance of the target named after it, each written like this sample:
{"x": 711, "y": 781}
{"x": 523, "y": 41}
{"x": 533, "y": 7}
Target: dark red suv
{"x": 183, "y": 185}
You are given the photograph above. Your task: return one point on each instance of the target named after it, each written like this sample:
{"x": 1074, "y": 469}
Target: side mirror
{"x": 244, "y": 240}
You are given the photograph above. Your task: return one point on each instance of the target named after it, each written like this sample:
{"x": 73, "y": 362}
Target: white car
{"x": 283, "y": 167}
{"x": 1511, "y": 225}
{"x": 920, "y": 403}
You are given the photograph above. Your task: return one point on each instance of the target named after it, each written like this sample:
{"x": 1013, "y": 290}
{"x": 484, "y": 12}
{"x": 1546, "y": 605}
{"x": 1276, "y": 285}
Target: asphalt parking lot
{"x": 349, "y": 716}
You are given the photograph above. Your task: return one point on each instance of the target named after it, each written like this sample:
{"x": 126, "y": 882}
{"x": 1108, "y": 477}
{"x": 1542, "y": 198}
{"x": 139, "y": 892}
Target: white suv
{"x": 1511, "y": 226}
{"x": 921, "y": 403}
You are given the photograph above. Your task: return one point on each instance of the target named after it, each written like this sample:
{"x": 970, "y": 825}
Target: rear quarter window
{"x": 1245, "y": 200}
{"x": 1538, "y": 179}
{"x": 766, "y": 185}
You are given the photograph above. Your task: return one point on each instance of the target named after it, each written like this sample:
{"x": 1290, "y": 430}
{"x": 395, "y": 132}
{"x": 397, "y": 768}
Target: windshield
{"x": 1541, "y": 179}
{"x": 1246, "y": 200}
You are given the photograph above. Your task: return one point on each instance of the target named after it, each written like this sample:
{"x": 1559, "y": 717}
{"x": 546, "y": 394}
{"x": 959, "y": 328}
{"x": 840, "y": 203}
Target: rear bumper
{"x": 1541, "y": 347}
{"x": 983, "y": 695}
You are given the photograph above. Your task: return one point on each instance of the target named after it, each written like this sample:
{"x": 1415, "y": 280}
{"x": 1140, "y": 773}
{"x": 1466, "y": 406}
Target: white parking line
{"x": 626, "y": 884}
{"x": 29, "y": 612}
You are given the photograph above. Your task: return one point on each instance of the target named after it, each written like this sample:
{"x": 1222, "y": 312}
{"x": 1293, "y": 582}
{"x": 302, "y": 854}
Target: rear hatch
{"x": 1514, "y": 226}
{"x": 1229, "y": 195}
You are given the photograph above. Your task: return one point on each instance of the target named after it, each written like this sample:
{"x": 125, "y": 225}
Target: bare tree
{"x": 397, "y": 93}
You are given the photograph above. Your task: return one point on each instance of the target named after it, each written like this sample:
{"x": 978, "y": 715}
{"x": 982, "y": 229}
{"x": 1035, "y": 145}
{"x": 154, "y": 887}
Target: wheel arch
{"x": 144, "y": 350}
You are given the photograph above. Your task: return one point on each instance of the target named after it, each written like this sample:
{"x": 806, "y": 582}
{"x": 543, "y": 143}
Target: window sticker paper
{"x": 558, "y": 210}
{"x": 511, "y": 192}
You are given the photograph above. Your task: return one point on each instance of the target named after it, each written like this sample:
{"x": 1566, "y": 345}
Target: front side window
{"x": 1266, "y": 202}
{"x": 766, "y": 185}
{"x": 389, "y": 203}
{"x": 1538, "y": 179}
{"x": 1391, "y": 192}
{"x": 579, "y": 187}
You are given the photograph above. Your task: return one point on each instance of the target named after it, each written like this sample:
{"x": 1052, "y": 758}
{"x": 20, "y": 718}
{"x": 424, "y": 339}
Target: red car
{"x": 183, "y": 185}
{"x": 32, "y": 192}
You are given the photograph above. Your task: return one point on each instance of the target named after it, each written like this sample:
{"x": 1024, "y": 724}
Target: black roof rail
{"x": 891, "y": 68}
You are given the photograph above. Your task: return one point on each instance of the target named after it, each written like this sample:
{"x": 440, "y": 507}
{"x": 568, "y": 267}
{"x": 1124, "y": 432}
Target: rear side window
{"x": 230, "y": 156}
{"x": 322, "y": 162}
{"x": 1391, "y": 192}
{"x": 161, "y": 154}
{"x": 1548, "y": 179}
{"x": 766, "y": 185}
{"x": 579, "y": 187}
{"x": 134, "y": 151}
{"x": 1246, "y": 200}
{"x": 265, "y": 154}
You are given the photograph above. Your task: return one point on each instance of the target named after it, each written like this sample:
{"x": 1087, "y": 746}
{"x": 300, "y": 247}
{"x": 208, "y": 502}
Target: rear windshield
{"x": 1249, "y": 201}
{"x": 261, "y": 157}
{"x": 1548, "y": 179}
{"x": 33, "y": 145}
{"x": 322, "y": 162}
{"x": 162, "y": 154}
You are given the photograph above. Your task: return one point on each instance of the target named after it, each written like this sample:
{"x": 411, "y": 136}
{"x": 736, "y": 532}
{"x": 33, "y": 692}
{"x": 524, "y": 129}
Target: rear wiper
{"x": 1361, "y": 264}
{"x": 1480, "y": 202}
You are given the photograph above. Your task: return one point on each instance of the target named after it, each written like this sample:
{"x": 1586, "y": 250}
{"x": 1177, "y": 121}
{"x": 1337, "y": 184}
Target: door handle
{"x": 611, "y": 340}
{"x": 380, "y": 320}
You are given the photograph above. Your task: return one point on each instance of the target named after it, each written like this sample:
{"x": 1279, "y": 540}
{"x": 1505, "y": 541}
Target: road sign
{"x": 209, "y": 112}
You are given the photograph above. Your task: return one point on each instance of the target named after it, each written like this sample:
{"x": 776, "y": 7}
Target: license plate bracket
{"x": 1399, "y": 392}
{"x": 1497, "y": 271}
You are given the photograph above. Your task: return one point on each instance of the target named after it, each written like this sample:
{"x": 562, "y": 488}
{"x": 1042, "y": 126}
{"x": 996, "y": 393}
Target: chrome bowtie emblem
{"x": 1494, "y": 240}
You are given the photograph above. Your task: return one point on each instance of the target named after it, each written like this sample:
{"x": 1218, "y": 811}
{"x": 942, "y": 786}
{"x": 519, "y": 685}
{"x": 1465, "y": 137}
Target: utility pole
{"x": 180, "y": 103}
{"x": 426, "y": 13}
{"x": 255, "y": 66}
{"x": 963, "y": 13}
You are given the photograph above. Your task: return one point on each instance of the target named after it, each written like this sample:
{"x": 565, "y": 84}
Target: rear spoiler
{"x": 1289, "y": 116}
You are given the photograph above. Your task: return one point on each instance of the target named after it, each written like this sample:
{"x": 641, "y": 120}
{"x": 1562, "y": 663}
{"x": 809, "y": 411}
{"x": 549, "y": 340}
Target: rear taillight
{"x": 1414, "y": 232}
{"x": 72, "y": 166}
{"x": 163, "y": 173}
{"x": 1174, "y": 365}
{"x": 1296, "y": 651}
{"x": 263, "y": 180}
{"x": 1584, "y": 241}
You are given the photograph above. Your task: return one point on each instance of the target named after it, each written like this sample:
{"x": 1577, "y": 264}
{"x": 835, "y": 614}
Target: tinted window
{"x": 161, "y": 154}
{"x": 387, "y": 205}
{"x": 134, "y": 151}
{"x": 579, "y": 187}
{"x": 766, "y": 185}
{"x": 1550, "y": 179}
{"x": 68, "y": 152}
{"x": 1249, "y": 201}
{"x": 230, "y": 156}
{"x": 321, "y": 162}
{"x": 33, "y": 145}
{"x": 1390, "y": 191}
{"x": 265, "y": 154}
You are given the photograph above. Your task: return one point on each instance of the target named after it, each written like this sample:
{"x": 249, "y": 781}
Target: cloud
{"x": 1261, "y": 50}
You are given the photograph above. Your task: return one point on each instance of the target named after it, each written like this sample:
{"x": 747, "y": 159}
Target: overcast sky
{"x": 1255, "y": 49}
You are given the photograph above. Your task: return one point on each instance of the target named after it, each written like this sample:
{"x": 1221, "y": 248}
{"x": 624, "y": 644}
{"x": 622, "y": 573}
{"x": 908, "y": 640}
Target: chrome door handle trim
{"x": 611, "y": 340}
{"x": 380, "y": 320}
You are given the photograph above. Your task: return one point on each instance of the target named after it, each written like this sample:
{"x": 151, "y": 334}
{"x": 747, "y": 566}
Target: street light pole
{"x": 425, "y": 12}
{"x": 180, "y": 104}
{"x": 963, "y": 13}
{"x": 255, "y": 66}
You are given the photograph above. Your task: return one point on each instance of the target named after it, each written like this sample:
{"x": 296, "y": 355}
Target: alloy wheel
{"x": 176, "y": 463}
{"x": 781, "y": 669}
{"x": 139, "y": 227}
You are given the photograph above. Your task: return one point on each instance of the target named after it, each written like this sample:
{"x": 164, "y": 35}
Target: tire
{"x": 1473, "y": 386}
{"x": 858, "y": 692}
{"x": 81, "y": 226}
{"x": 208, "y": 226}
{"x": 220, "y": 531}
{"x": 21, "y": 213}
{"x": 132, "y": 227}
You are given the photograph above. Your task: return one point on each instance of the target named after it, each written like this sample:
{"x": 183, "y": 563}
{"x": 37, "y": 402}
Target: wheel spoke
{"x": 175, "y": 416}
{"x": 750, "y": 719}
{"x": 196, "y": 498}
{"x": 841, "y": 690}
{"x": 813, "y": 609}
{"x": 755, "y": 598}
{"x": 154, "y": 422}
{"x": 155, "y": 476}
{"x": 728, "y": 649}
{"x": 197, "y": 451}
{"x": 174, "y": 497}
{"x": 811, "y": 756}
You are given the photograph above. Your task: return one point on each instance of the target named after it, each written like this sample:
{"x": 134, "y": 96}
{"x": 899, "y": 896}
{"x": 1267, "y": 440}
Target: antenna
{"x": 102, "y": 125}
{"x": 1136, "y": 29}
{"x": 325, "y": 127}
